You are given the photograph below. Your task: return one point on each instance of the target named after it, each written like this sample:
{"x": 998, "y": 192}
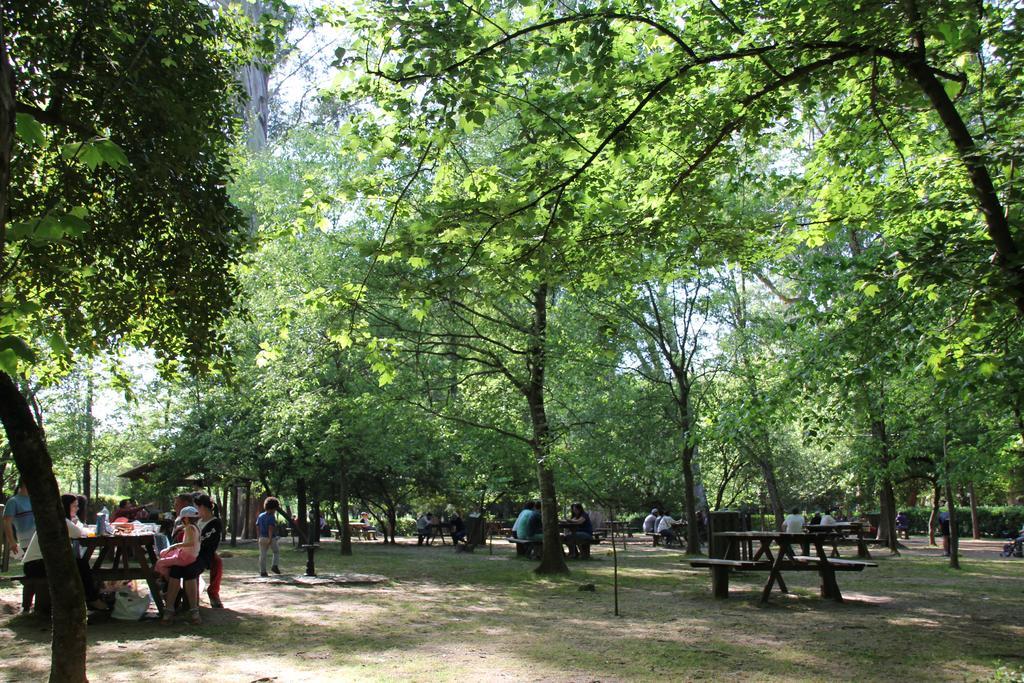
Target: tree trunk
{"x": 90, "y": 431}
{"x": 954, "y": 532}
{"x": 392, "y": 524}
{"x": 996, "y": 221}
{"x": 771, "y": 486}
{"x": 246, "y": 527}
{"x": 67, "y": 597}
{"x": 552, "y": 561}
{"x": 234, "y": 515}
{"x": 302, "y": 516}
{"x": 933, "y": 518}
{"x": 887, "y": 523}
{"x": 975, "y": 528}
{"x": 689, "y": 483}
{"x": 346, "y": 533}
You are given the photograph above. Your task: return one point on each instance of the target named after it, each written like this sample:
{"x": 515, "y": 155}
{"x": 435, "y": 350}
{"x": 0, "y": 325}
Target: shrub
{"x": 1002, "y": 521}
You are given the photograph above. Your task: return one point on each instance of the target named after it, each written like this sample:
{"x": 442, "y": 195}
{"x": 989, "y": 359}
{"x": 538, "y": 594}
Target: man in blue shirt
{"x": 519, "y": 528}
{"x": 18, "y": 518}
{"x": 266, "y": 529}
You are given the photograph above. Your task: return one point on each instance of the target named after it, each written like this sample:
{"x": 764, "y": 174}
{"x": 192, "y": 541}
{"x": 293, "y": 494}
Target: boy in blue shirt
{"x": 18, "y": 519}
{"x": 266, "y": 529}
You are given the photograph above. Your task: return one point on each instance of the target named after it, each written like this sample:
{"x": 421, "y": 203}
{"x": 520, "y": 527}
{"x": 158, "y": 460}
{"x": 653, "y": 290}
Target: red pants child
{"x": 216, "y": 574}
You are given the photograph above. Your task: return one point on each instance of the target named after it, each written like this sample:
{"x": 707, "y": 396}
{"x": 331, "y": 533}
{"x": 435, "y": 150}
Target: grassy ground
{"x": 447, "y": 616}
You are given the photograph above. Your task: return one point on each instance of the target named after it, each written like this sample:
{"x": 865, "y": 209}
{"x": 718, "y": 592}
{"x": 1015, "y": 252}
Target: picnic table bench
{"x": 845, "y": 532}
{"x": 678, "y": 528}
{"x": 783, "y": 559}
{"x": 531, "y": 549}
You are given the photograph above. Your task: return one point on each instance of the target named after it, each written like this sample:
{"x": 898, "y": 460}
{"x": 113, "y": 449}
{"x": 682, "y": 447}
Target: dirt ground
{"x": 446, "y": 616}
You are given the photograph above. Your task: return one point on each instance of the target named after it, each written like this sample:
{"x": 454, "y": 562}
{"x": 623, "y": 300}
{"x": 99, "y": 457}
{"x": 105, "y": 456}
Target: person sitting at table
{"x": 902, "y": 525}
{"x": 535, "y": 524}
{"x": 369, "y": 530}
{"x": 425, "y": 528}
{"x": 582, "y": 530}
{"x": 185, "y": 552}
{"x": 827, "y": 519}
{"x": 458, "y": 528}
{"x": 793, "y": 523}
{"x": 32, "y": 563}
{"x": 665, "y": 523}
{"x": 210, "y": 532}
{"x": 519, "y": 527}
{"x": 651, "y": 522}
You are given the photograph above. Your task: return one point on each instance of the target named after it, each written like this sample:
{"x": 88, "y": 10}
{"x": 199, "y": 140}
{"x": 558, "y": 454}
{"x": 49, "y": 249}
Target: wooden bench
{"x": 837, "y": 564}
{"x": 720, "y": 571}
{"x": 526, "y": 548}
{"x": 583, "y": 545}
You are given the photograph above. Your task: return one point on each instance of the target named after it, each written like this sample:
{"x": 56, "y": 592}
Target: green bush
{"x": 1001, "y": 521}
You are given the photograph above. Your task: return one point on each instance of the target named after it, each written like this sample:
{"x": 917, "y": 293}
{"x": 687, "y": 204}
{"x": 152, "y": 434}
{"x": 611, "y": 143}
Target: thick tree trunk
{"x": 887, "y": 523}
{"x": 552, "y": 561}
{"x": 67, "y": 597}
{"x": 303, "y": 527}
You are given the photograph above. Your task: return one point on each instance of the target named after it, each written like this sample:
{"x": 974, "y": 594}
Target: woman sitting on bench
{"x": 583, "y": 532}
{"x": 33, "y": 560}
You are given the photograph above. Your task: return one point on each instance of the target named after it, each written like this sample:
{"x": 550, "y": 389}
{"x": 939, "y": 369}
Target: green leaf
{"x": 111, "y": 154}
{"x": 18, "y": 347}
{"x": 30, "y": 130}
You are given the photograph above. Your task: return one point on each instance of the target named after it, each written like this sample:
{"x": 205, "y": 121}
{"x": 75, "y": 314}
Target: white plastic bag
{"x": 129, "y": 605}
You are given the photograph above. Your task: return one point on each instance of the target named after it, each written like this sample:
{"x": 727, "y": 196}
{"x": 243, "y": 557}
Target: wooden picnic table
{"x": 131, "y": 557}
{"x": 844, "y": 530}
{"x": 361, "y": 529}
{"x": 784, "y": 558}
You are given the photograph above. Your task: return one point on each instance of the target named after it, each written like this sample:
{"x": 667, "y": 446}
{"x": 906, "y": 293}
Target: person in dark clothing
{"x": 582, "y": 530}
{"x": 458, "y": 528}
{"x": 211, "y": 530}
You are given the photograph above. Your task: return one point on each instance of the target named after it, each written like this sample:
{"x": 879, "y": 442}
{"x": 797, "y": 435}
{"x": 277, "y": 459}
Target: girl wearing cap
{"x": 184, "y": 553}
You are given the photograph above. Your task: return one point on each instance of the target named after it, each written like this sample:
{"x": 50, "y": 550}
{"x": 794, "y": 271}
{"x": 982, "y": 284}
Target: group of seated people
{"x": 529, "y": 526}
{"x": 660, "y": 522}
{"x": 795, "y": 521}
{"x": 196, "y": 535}
{"x": 429, "y": 527}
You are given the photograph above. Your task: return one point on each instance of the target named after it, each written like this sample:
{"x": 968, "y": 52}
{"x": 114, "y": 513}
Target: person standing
{"x": 19, "y": 522}
{"x": 266, "y": 529}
